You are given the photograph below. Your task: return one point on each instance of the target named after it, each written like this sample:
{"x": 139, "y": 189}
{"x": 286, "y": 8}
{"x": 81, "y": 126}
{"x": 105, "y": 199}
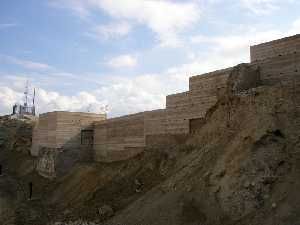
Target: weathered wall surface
{"x": 119, "y": 138}
{"x": 53, "y": 162}
{"x": 273, "y": 63}
{"x": 46, "y": 162}
{"x": 61, "y": 129}
{"x": 155, "y": 122}
{"x": 44, "y": 133}
{"x": 193, "y": 104}
{"x": 242, "y": 78}
{"x": 280, "y": 69}
{"x": 284, "y": 46}
{"x": 284, "y": 72}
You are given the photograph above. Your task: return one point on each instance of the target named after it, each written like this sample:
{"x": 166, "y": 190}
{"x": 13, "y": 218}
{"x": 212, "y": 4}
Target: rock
{"x": 137, "y": 182}
{"x": 58, "y": 223}
{"x": 217, "y": 189}
{"x": 207, "y": 175}
{"x": 105, "y": 211}
{"x": 247, "y": 184}
{"x": 274, "y": 205}
{"x": 138, "y": 190}
{"x": 67, "y": 211}
{"x": 189, "y": 188}
{"x": 221, "y": 173}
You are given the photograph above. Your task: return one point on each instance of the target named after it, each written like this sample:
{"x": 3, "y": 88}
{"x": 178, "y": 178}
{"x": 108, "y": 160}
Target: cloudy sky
{"x": 83, "y": 55}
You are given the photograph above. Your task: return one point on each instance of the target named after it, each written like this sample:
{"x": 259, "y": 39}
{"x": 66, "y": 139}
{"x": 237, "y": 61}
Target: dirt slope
{"x": 244, "y": 170}
{"x": 242, "y": 166}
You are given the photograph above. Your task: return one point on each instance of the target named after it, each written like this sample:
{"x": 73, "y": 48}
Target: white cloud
{"x": 79, "y": 7}
{"x": 165, "y": 17}
{"x": 227, "y": 50}
{"x": 126, "y": 95}
{"x": 26, "y": 63}
{"x": 263, "y": 6}
{"x": 111, "y": 30}
{"x": 295, "y": 29}
{"x": 54, "y": 101}
{"x": 233, "y": 44}
{"x": 50, "y": 101}
{"x": 8, "y": 97}
{"x": 122, "y": 61}
{"x": 122, "y": 95}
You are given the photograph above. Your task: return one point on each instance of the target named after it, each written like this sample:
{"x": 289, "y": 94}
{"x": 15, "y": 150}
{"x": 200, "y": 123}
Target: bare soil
{"x": 241, "y": 166}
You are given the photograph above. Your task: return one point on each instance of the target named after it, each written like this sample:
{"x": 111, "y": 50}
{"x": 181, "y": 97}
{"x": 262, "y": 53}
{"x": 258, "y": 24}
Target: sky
{"x": 125, "y": 56}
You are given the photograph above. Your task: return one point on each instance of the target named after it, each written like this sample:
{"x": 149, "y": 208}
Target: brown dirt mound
{"x": 242, "y": 166}
{"x": 245, "y": 168}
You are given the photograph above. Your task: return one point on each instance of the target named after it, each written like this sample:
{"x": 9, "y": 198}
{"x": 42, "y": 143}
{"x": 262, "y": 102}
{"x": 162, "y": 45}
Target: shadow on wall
{"x": 56, "y": 162}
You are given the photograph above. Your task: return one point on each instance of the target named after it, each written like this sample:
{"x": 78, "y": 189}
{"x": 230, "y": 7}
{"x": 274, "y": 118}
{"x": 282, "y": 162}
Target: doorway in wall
{"x": 195, "y": 125}
{"x": 87, "y": 137}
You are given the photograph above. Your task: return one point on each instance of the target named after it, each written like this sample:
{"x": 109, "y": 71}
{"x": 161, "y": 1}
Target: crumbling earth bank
{"x": 241, "y": 166}
{"x": 245, "y": 168}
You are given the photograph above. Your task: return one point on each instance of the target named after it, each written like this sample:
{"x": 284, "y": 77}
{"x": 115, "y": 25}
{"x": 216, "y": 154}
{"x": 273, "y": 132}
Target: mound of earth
{"x": 244, "y": 167}
{"x": 241, "y": 166}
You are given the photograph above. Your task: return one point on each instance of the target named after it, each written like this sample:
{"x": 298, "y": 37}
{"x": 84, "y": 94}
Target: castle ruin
{"x": 272, "y": 63}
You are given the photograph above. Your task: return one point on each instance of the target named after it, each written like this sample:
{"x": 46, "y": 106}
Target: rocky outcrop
{"x": 46, "y": 162}
{"x": 243, "y": 77}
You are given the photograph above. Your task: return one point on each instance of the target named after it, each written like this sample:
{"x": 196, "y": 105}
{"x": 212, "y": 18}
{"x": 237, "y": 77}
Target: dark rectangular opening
{"x": 87, "y": 137}
{"x": 195, "y": 125}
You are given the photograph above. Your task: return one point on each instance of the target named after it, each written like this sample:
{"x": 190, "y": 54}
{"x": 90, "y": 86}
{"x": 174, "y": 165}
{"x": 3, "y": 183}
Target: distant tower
{"x": 33, "y": 103}
{"x": 26, "y": 109}
{"x": 26, "y": 95}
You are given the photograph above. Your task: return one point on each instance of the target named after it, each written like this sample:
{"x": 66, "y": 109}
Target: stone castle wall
{"x": 203, "y": 93}
{"x": 61, "y": 129}
{"x": 123, "y": 137}
{"x": 275, "y": 62}
{"x": 272, "y": 63}
{"x": 155, "y": 122}
{"x": 119, "y": 138}
{"x": 280, "y": 47}
{"x": 57, "y": 141}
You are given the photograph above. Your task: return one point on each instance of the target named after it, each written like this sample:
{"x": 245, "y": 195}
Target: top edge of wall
{"x": 271, "y": 49}
{"x": 127, "y": 116}
{"x": 277, "y": 41}
{"x": 73, "y": 113}
{"x": 211, "y": 74}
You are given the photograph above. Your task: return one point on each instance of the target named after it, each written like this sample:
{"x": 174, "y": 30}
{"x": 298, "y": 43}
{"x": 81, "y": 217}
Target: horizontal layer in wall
{"x": 283, "y": 70}
{"x": 275, "y": 48}
{"x": 62, "y": 129}
{"x": 203, "y": 94}
{"x": 155, "y": 122}
{"x": 118, "y": 138}
{"x": 206, "y": 84}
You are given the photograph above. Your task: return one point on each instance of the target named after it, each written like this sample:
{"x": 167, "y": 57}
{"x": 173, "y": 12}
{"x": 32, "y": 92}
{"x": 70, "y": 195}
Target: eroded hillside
{"x": 241, "y": 165}
{"x": 245, "y": 167}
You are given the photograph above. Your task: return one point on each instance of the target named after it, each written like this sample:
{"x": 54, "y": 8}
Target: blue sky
{"x": 82, "y": 55}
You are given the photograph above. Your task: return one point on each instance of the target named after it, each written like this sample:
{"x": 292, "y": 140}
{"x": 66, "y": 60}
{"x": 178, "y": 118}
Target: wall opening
{"x": 195, "y": 125}
{"x": 87, "y": 137}
{"x": 30, "y": 186}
